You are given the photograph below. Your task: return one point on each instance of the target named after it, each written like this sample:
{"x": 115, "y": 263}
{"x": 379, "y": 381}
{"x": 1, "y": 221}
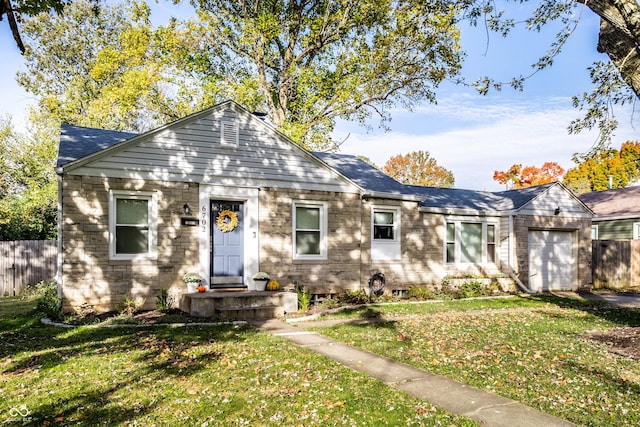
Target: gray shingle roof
{"x": 77, "y": 142}
{"x": 456, "y": 198}
{"x": 363, "y": 174}
{"x": 613, "y": 203}
{"x": 373, "y": 180}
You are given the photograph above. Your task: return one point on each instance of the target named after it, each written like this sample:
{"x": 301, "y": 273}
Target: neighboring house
{"x": 616, "y": 213}
{"x": 222, "y": 193}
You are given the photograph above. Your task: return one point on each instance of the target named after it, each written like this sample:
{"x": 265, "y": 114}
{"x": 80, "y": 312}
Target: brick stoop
{"x": 247, "y": 305}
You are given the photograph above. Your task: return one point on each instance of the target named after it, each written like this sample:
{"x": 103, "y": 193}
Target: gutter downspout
{"x": 512, "y": 273}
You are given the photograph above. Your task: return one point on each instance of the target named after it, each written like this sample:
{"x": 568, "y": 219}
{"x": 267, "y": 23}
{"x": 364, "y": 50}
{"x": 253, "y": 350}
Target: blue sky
{"x": 469, "y": 134}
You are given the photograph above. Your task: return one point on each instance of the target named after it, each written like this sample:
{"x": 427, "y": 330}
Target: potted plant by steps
{"x": 192, "y": 280}
{"x": 261, "y": 280}
{"x": 273, "y": 285}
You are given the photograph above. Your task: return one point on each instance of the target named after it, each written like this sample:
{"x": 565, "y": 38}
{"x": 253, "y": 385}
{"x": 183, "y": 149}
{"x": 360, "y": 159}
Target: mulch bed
{"x": 147, "y": 317}
{"x": 622, "y": 341}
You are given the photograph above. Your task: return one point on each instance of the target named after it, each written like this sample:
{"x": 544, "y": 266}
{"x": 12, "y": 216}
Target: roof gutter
{"x": 395, "y": 196}
{"x": 461, "y": 211}
{"x": 613, "y": 218}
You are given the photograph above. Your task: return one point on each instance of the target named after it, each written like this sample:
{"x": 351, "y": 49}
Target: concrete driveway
{"x": 615, "y": 299}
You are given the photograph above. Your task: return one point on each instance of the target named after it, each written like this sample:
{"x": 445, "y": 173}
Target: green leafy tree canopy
{"x": 28, "y": 195}
{"x": 106, "y": 66}
{"x": 314, "y": 61}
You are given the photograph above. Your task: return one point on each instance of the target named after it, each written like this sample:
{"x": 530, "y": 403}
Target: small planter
{"x": 192, "y": 281}
{"x": 260, "y": 279}
{"x": 261, "y": 284}
{"x": 192, "y": 287}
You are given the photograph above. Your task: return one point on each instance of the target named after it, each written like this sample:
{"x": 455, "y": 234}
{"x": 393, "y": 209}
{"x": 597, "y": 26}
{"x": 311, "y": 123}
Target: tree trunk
{"x": 620, "y": 36}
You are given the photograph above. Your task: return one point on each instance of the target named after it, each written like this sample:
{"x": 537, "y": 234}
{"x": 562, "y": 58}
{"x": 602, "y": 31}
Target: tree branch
{"x": 13, "y": 23}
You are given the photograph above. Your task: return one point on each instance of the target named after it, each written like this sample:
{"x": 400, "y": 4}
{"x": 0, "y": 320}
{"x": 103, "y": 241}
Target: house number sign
{"x": 203, "y": 219}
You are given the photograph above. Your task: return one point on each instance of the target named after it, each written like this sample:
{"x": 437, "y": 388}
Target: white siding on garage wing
{"x": 556, "y": 197}
{"x": 504, "y": 246}
{"x": 195, "y": 151}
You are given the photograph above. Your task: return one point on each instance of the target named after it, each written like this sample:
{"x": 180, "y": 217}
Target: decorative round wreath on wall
{"x": 227, "y": 221}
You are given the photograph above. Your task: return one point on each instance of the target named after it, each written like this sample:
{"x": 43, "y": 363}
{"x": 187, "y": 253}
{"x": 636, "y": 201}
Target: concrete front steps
{"x": 246, "y": 305}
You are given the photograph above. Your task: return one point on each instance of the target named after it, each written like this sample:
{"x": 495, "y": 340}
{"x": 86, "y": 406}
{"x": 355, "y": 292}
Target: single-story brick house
{"x": 616, "y": 213}
{"x": 224, "y": 194}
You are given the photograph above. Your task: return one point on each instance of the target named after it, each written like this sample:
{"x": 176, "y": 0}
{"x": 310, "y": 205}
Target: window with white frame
{"x": 132, "y": 225}
{"x": 385, "y": 224}
{"x": 385, "y": 233}
{"x": 470, "y": 242}
{"x": 310, "y": 230}
{"x": 594, "y": 232}
{"x": 636, "y": 230}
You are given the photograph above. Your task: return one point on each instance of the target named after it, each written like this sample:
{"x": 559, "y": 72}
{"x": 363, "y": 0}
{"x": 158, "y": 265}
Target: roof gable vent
{"x": 229, "y": 134}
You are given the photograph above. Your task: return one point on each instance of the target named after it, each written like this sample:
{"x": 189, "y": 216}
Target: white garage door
{"x": 552, "y": 260}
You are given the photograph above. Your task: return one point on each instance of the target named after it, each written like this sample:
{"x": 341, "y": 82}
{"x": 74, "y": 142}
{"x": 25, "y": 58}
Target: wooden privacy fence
{"x": 616, "y": 264}
{"x": 26, "y": 262}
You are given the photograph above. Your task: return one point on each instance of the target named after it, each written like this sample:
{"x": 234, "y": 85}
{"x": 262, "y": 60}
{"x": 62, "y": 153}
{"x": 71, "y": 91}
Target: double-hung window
{"x": 470, "y": 242}
{"x": 385, "y": 233}
{"x": 132, "y": 225}
{"x": 310, "y": 230}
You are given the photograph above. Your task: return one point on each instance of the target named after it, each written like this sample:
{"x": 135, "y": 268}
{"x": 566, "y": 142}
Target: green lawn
{"x": 186, "y": 376}
{"x": 530, "y": 349}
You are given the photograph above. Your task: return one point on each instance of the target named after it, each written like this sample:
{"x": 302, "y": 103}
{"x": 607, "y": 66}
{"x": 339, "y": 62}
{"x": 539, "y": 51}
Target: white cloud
{"x": 476, "y": 137}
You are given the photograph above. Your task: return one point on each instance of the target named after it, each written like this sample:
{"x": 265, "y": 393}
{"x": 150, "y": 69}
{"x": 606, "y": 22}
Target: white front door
{"x": 227, "y": 251}
{"x": 247, "y": 228}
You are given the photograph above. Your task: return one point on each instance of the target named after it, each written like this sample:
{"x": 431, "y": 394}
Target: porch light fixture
{"x": 187, "y": 209}
{"x": 557, "y": 211}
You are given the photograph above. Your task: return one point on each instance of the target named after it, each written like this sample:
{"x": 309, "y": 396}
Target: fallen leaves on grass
{"x": 536, "y": 355}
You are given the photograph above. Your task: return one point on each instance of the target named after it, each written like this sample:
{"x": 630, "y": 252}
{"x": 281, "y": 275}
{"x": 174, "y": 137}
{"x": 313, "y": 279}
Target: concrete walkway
{"x": 485, "y": 408}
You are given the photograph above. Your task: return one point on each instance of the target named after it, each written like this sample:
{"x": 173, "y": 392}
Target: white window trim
{"x": 386, "y": 249}
{"x": 595, "y": 231}
{"x": 324, "y": 226}
{"x": 396, "y": 222}
{"x": 153, "y": 223}
{"x": 458, "y": 241}
{"x": 636, "y": 230}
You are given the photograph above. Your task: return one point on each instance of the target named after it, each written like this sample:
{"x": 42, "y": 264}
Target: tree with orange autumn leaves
{"x": 418, "y": 168}
{"x": 518, "y": 177}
